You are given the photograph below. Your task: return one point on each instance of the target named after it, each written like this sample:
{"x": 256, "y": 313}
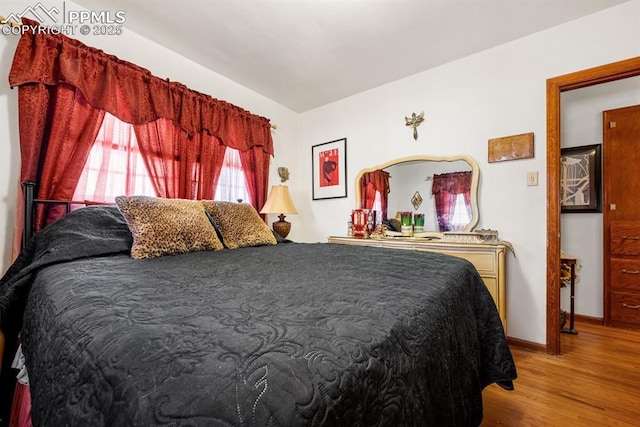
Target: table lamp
{"x": 279, "y": 202}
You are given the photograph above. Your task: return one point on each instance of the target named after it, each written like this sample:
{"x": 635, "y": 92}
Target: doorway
{"x": 556, "y": 85}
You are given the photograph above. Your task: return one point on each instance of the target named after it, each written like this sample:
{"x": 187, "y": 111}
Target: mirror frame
{"x": 475, "y": 218}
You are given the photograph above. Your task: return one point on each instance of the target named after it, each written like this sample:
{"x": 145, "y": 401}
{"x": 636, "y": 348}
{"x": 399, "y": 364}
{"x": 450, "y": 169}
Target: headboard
{"x": 30, "y": 204}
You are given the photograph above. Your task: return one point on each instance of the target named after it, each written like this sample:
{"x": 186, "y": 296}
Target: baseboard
{"x": 588, "y": 319}
{"x": 541, "y": 348}
{"x": 527, "y": 345}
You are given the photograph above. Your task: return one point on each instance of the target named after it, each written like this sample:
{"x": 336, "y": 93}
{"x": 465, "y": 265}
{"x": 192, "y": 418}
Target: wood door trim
{"x": 606, "y": 243}
{"x": 589, "y": 77}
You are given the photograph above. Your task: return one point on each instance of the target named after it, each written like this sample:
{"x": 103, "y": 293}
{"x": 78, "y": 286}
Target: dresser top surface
{"x": 417, "y": 241}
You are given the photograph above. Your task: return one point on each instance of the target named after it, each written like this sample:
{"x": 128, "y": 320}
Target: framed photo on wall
{"x": 580, "y": 179}
{"x": 329, "y": 169}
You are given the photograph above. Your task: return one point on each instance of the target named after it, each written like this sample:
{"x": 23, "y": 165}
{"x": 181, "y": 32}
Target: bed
{"x": 276, "y": 333}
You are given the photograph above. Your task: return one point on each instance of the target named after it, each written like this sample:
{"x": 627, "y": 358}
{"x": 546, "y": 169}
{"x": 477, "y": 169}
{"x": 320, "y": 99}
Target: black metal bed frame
{"x": 30, "y": 203}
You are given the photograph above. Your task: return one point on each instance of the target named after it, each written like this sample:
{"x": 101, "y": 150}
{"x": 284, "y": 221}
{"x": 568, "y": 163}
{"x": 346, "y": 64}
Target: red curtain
{"x": 445, "y": 189}
{"x": 65, "y": 87}
{"x": 180, "y": 166}
{"x": 255, "y": 165}
{"x": 65, "y": 142}
{"x": 21, "y": 407}
{"x": 372, "y": 182}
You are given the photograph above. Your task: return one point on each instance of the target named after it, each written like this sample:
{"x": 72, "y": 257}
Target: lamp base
{"x": 282, "y": 227}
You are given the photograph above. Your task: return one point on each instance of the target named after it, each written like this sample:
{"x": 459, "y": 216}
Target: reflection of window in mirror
{"x": 374, "y": 186}
{"x": 452, "y": 195}
{"x": 377, "y": 207}
{"x": 461, "y": 214}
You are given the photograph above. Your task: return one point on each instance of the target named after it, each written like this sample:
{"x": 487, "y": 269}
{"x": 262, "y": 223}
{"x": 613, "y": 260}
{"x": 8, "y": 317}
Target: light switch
{"x": 532, "y": 179}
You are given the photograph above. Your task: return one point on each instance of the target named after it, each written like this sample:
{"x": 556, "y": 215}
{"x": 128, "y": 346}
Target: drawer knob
{"x": 630, "y": 271}
{"x": 630, "y": 238}
{"x": 634, "y": 307}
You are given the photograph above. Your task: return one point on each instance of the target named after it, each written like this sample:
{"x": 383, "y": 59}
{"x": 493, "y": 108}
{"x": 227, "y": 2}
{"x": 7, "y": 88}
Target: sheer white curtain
{"x": 461, "y": 214}
{"x": 231, "y": 184}
{"x": 115, "y": 166}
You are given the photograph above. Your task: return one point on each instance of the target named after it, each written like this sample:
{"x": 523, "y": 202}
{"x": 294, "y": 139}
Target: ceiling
{"x": 307, "y": 53}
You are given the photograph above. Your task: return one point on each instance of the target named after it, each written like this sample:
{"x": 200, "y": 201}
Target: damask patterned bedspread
{"x": 285, "y": 335}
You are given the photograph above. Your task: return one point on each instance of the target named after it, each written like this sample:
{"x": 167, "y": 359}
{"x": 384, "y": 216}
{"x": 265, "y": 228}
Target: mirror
{"x": 411, "y": 181}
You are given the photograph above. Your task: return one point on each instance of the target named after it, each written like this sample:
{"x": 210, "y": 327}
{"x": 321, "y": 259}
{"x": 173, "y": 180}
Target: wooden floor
{"x": 595, "y": 382}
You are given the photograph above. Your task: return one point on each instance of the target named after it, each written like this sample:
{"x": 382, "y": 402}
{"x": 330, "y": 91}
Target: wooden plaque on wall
{"x": 512, "y": 147}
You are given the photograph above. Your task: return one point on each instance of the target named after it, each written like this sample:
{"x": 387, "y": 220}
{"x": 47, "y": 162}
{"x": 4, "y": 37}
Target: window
{"x": 231, "y": 185}
{"x": 115, "y": 167}
{"x": 461, "y": 215}
{"x": 451, "y": 191}
{"x": 377, "y": 207}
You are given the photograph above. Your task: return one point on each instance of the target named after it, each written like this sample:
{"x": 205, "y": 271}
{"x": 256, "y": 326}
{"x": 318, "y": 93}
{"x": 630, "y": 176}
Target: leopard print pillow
{"x": 167, "y": 226}
{"x": 240, "y": 224}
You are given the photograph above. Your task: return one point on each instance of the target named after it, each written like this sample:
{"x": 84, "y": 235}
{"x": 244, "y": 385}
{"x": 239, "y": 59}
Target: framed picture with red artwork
{"x": 329, "y": 169}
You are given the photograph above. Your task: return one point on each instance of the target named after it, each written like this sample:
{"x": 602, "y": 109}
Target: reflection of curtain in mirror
{"x": 445, "y": 189}
{"x": 370, "y": 183}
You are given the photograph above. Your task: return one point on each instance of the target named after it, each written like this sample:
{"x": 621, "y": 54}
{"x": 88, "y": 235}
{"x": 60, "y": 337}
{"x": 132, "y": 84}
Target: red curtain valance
{"x": 378, "y": 178}
{"x": 131, "y": 92}
{"x": 454, "y": 182}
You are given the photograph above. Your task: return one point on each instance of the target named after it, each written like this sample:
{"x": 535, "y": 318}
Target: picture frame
{"x": 514, "y": 147}
{"x": 581, "y": 179}
{"x": 329, "y": 169}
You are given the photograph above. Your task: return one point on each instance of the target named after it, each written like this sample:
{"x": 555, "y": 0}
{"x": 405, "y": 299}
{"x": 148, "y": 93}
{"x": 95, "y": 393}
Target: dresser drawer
{"x": 625, "y": 307}
{"x": 625, "y": 275}
{"x": 625, "y": 239}
{"x": 485, "y": 263}
{"x": 492, "y": 285}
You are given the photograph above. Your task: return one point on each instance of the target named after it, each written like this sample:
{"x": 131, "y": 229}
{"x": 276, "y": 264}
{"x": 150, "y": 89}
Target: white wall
{"x": 582, "y": 233}
{"x": 161, "y": 62}
{"x": 495, "y": 93}
{"x": 9, "y": 151}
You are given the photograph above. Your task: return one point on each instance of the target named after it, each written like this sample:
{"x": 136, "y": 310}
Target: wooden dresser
{"x": 489, "y": 260}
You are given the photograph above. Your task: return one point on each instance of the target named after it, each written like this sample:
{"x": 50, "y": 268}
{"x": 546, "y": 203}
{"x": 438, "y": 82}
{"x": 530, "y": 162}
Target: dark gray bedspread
{"x": 293, "y": 334}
